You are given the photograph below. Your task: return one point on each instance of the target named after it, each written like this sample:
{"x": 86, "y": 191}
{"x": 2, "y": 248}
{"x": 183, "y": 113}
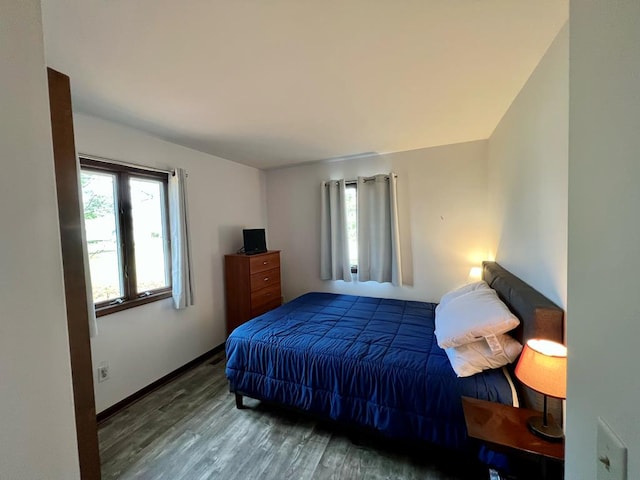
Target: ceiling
{"x": 278, "y": 82}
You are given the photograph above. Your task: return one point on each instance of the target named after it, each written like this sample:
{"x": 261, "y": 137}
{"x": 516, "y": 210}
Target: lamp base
{"x": 551, "y": 432}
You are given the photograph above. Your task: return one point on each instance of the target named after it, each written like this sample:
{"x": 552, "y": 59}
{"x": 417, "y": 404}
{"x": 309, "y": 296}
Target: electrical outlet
{"x": 612, "y": 454}
{"x": 103, "y": 372}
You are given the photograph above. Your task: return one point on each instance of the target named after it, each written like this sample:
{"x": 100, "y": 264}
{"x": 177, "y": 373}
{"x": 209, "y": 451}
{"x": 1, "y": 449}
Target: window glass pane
{"x": 352, "y": 223}
{"x": 149, "y": 235}
{"x": 101, "y": 224}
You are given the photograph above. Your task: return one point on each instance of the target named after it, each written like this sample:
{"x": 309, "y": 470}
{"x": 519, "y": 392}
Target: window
{"x": 351, "y": 201}
{"x": 364, "y": 220}
{"x": 126, "y": 221}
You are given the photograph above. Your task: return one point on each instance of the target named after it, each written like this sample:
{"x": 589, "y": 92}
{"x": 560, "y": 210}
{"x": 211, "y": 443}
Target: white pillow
{"x": 471, "y": 316}
{"x": 469, "y": 287}
{"x": 477, "y": 356}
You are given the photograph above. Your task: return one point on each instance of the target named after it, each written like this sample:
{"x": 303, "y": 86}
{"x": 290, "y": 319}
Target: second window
{"x": 126, "y": 222}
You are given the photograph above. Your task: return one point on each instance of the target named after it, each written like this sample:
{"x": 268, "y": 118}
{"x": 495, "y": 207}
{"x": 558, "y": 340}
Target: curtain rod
{"x": 366, "y": 179}
{"x": 124, "y": 164}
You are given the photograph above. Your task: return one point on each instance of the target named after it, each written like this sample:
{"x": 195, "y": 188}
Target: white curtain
{"x": 378, "y": 231}
{"x": 91, "y": 308}
{"x": 180, "y": 241}
{"x": 334, "y": 244}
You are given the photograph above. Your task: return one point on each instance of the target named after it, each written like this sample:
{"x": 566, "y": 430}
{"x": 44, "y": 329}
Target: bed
{"x": 374, "y": 362}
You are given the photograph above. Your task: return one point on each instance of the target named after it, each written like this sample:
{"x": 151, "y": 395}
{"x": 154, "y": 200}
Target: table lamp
{"x": 475, "y": 274}
{"x": 543, "y": 367}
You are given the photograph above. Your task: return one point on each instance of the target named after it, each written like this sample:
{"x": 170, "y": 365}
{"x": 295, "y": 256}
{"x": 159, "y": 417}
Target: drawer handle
{"x": 267, "y": 294}
{"x": 266, "y": 279}
{"x": 265, "y": 263}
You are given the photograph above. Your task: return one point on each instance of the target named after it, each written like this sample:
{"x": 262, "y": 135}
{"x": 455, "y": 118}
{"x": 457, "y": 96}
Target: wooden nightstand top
{"x": 504, "y": 426}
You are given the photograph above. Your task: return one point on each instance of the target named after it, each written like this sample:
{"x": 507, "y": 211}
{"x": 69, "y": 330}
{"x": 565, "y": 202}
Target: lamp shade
{"x": 475, "y": 274}
{"x": 543, "y": 367}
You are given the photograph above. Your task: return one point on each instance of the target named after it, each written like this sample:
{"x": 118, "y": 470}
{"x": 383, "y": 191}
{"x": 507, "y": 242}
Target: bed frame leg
{"x": 239, "y": 404}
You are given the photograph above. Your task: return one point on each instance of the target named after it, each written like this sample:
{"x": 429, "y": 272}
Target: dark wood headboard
{"x": 539, "y": 316}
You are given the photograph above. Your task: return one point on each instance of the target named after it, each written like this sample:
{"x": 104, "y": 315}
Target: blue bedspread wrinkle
{"x": 369, "y": 361}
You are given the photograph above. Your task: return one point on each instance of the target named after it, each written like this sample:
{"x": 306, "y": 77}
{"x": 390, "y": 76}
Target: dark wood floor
{"x": 190, "y": 429}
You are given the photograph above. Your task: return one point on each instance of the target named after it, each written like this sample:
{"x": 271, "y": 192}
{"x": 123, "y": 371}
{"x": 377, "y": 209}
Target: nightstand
{"x": 504, "y": 428}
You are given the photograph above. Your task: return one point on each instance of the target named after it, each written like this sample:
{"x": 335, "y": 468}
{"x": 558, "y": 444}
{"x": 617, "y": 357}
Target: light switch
{"x": 612, "y": 454}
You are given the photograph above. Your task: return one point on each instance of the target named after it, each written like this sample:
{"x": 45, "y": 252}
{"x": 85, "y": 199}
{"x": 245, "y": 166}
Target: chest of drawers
{"x": 252, "y": 286}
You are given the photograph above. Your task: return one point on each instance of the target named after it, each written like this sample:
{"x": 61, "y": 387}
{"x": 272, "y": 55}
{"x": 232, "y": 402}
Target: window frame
{"x": 353, "y": 184}
{"x": 131, "y": 297}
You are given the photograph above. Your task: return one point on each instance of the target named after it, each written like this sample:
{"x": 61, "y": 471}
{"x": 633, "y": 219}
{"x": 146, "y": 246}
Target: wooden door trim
{"x": 70, "y": 218}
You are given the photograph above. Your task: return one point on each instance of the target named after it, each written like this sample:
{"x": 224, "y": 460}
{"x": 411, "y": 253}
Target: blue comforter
{"x": 369, "y": 361}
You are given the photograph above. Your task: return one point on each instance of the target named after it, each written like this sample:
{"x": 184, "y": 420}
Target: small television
{"x": 254, "y": 241}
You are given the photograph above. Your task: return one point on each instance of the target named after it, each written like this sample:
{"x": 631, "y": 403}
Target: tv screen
{"x": 254, "y": 241}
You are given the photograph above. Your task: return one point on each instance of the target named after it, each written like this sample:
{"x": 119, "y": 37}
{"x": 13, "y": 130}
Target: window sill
{"x": 103, "y": 310}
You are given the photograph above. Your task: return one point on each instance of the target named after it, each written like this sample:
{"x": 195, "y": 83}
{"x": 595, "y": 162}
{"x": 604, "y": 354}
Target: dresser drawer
{"x": 261, "y": 263}
{"x": 264, "y": 279}
{"x": 265, "y": 295}
{"x": 265, "y": 308}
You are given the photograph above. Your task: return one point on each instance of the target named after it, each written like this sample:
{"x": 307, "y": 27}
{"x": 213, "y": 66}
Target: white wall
{"x": 604, "y": 231}
{"x": 147, "y": 342}
{"x": 442, "y": 209}
{"x": 528, "y": 184}
{"x": 37, "y": 426}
